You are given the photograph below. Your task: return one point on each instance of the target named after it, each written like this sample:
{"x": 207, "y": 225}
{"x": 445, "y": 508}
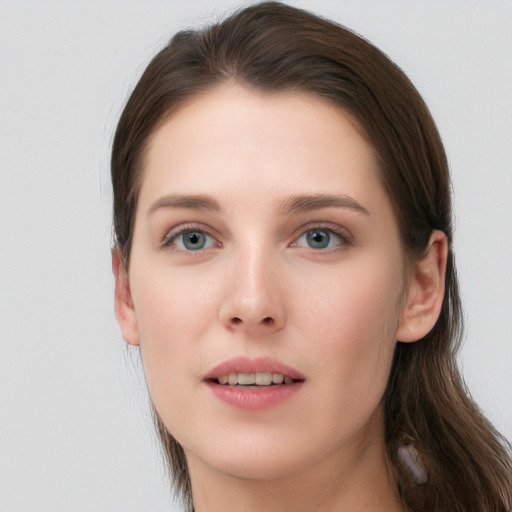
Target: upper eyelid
{"x": 326, "y": 226}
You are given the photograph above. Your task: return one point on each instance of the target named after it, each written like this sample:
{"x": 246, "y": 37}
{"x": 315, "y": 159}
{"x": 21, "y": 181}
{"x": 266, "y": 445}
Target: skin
{"x": 258, "y": 288}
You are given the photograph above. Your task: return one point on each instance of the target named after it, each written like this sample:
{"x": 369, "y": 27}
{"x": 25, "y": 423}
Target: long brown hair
{"x": 274, "y": 47}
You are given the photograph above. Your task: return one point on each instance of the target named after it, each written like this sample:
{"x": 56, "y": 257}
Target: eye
{"x": 190, "y": 240}
{"x": 321, "y": 238}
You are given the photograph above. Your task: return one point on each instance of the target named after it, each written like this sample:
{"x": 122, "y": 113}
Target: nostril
{"x": 236, "y": 321}
{"x": 268, "y": 321}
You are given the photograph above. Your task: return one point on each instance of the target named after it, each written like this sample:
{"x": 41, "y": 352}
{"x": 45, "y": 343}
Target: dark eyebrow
{"x": 193, "y": 202}
{"x": 303, "y": 203}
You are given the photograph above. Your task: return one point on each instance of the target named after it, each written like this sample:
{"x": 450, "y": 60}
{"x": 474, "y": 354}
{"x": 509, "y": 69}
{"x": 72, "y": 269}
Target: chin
{"x": 258, "y": 469}
{"x": 258, "y": 458}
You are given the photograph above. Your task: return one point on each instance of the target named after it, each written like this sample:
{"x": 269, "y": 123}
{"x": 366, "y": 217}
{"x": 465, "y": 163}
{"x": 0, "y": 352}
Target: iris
{"x": 194, "y": 240}
{"x": 318, "y": 239}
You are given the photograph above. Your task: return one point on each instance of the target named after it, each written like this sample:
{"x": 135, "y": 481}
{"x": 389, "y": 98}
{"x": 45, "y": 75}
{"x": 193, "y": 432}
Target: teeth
{"x": 251, "y": 379}
{"x": 246, "y": 379}
{"x": 263, "y": 379}
{"x": 277, "y": 378}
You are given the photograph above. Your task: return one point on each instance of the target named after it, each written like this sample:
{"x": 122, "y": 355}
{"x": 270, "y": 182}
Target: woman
{"x": 283, "y": 258}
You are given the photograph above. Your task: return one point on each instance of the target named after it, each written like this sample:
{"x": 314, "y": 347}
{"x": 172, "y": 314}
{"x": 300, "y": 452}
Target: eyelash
{"x": 169, "y": 241}
{"x": 345, "y": 239}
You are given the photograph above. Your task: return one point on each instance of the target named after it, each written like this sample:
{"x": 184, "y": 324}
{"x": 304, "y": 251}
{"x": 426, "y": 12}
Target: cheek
{"x": 170, "y": 304}
{"x": 353, "y": 325}
{"x": 356, "y": 301}
{"x": 173, "y": 314}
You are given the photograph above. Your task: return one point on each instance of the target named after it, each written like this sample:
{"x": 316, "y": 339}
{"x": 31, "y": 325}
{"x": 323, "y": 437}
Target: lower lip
{"x": 254, "y": 399}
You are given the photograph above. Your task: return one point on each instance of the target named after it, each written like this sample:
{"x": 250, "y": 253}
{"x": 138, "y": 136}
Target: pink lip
{"x": 248, "y": 365}
{"x": 253, "y": 398}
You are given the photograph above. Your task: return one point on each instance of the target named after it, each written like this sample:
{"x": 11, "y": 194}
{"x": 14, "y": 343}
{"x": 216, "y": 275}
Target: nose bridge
{"x": 254, "y": 280}
{"x": 252, "y": 298}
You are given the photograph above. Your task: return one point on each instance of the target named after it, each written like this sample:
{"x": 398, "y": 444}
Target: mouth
{"x": 254, "y": 384}
{"x": 254, "y": 380}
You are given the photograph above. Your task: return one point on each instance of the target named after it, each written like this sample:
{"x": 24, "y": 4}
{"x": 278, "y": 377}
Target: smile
{"x": 254, "y": 379}
{"x": 254, "y": 384}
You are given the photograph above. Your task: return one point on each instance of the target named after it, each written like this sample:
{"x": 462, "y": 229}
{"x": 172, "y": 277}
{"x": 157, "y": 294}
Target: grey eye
{"x": 322, "y": 238}
{"x": 318, "y": 238}
{"x": 192, "y": 240}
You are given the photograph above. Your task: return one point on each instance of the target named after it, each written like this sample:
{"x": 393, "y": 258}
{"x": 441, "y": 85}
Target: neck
{"x": 356, "y": 480}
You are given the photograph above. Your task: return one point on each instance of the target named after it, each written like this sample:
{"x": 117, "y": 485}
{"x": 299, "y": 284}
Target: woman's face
{"x": 265, "y": 245}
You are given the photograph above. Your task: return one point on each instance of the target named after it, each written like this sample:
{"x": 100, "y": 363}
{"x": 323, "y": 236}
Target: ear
{"x": 425, "y": 291}
{"x": 123, "y": 304}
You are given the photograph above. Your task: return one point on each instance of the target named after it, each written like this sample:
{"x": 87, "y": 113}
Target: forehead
{"x": 235, "y": 142}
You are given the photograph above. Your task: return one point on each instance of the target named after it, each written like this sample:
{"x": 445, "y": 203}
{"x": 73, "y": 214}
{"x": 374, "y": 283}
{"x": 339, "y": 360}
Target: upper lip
{"x": 245, "y": 364}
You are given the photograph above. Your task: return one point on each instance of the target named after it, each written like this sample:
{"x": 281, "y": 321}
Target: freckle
{"x": 409, "y": 459}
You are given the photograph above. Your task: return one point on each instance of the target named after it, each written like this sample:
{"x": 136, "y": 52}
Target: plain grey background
{"x": 75, "y": 431}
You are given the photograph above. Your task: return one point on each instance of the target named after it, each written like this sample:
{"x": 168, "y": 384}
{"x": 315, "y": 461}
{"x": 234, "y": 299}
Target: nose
{"x": 252, "y": 300}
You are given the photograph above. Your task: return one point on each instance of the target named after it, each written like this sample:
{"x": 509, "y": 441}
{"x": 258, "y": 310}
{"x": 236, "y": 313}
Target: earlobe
{"x": 425, "y": 292}
{"x": 123, "y": 304}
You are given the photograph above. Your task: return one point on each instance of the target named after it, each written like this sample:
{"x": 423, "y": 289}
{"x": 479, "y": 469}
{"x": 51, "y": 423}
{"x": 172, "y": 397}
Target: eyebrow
{"x": 294, "y": 204}
{"x": 304, "y": 203}
{"x": 192, "y": 202}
